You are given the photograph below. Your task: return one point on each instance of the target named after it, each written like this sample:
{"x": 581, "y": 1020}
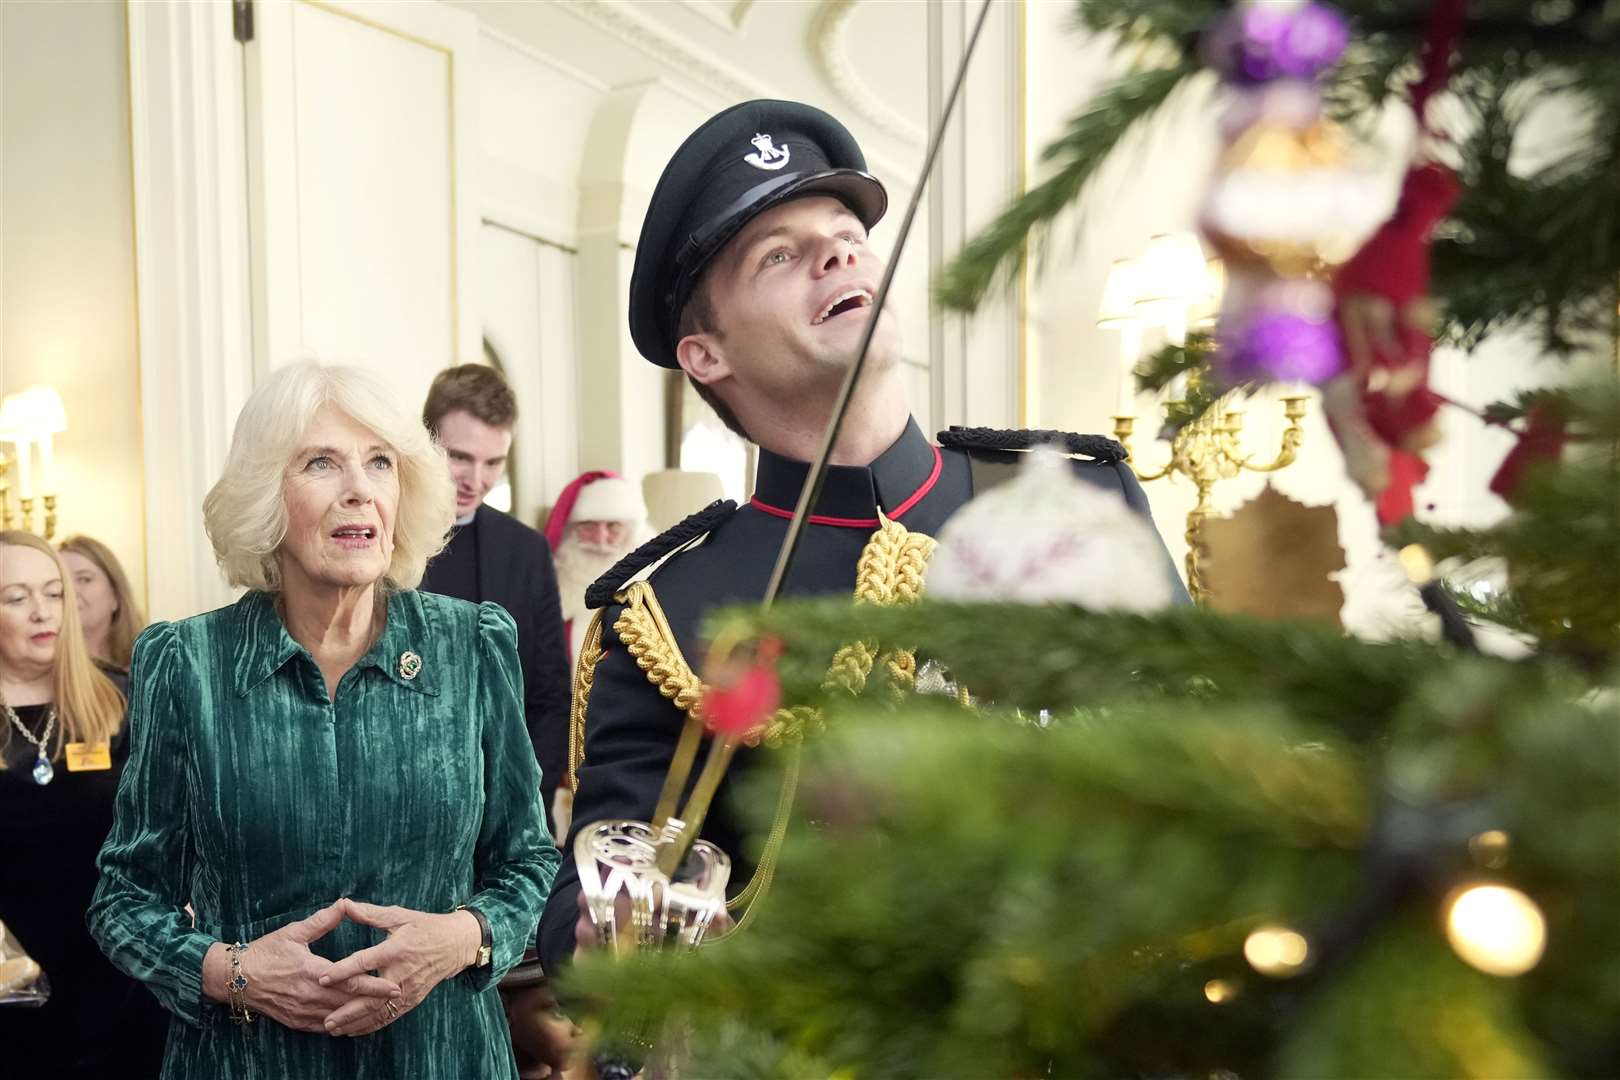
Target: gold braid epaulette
{"x": 590, "y": 654}
{"x": 647, "y": 636}
{"x": 890, "y": 571}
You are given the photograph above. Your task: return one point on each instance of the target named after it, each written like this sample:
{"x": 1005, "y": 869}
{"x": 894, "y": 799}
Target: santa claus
{"x": 598, "y": 519}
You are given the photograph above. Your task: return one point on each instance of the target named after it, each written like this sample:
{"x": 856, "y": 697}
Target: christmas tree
{"x": 1082, "y": 842}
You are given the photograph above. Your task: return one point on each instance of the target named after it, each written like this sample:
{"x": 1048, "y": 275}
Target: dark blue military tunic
{"x": 632, "y": 729}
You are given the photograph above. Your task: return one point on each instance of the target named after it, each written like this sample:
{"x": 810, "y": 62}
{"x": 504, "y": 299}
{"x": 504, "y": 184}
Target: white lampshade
{"x": 1174, "y": 273}
{"x": 1121, "y": 293}
{"x": 12, "y": 413}
{"x": 45, "y": 413}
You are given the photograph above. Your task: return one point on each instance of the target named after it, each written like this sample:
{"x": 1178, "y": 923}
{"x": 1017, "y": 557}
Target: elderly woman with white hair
{"x": 328, "y": 844}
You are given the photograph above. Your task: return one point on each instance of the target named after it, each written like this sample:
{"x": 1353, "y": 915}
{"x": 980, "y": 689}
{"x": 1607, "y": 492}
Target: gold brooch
{"x": 410, "y": 665}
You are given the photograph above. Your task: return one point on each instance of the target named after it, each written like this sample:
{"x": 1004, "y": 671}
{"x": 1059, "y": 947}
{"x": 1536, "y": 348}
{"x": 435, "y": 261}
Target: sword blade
{"x": 698, "y": 805}
{"x": 818, "y": 468}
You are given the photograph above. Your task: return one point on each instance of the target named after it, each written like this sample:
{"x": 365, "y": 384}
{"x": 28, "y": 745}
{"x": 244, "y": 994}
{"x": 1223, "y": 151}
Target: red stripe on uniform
{"x": 861, "y": 523}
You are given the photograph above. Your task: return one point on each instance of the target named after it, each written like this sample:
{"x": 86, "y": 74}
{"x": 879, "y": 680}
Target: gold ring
{"x": 391, "y": 1008}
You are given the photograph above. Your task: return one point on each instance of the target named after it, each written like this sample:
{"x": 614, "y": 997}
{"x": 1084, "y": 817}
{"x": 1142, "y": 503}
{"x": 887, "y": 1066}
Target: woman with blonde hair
{"x": 108, "y": 611}
{"x": 333, "y": 772}
{"x": 62, "y": 750}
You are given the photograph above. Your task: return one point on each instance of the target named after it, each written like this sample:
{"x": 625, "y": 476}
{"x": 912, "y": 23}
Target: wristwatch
{"x": 485, "y": 943}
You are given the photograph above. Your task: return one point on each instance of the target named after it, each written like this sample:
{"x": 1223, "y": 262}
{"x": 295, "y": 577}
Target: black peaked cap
{"x": 740, "y": 163}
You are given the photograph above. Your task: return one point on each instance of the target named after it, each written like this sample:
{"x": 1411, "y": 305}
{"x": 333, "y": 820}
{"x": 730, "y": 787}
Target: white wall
{"x": 67, "y": 264}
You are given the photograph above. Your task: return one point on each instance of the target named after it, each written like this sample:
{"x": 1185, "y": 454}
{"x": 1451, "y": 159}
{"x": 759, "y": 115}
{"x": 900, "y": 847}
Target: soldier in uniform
{"x": 754, "y": 277}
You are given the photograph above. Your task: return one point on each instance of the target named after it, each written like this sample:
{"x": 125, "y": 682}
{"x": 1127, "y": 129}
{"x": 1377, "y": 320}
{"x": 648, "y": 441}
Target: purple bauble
{"x": 1278, "y": 344}
{"x": 1262, "y": 41}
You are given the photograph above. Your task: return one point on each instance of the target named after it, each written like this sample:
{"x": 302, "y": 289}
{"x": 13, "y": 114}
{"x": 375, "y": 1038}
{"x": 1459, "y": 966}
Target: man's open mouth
{"x": 849, "y": 300}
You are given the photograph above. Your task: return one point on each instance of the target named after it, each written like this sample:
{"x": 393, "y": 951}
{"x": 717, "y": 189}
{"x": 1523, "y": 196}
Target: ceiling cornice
{"x": 729, "y": 15}
{"x": 629, "y": 25}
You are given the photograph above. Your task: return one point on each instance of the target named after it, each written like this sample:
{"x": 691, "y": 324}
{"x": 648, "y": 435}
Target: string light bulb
{"x": 1496, "y": 928}
{"x": 1277, "y": 951}
{"x": 1220, "y": 991}
{"x": 1417, "y": 562}
{"x": 1490, "y": 849}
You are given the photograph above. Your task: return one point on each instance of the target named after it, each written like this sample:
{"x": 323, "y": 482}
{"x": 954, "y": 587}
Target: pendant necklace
{"x": 43, "y": 773}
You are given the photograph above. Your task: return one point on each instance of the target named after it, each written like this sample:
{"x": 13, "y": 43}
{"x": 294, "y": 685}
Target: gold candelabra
{"x": 22, "y": 516}
{"x": 29, "y": 419}
{"x": 1207, "y": 451}
{"x": 5, "y": 491}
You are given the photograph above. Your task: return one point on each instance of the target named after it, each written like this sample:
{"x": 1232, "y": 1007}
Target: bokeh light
{"x": 1276, "y": 951}
{"x": 1496, "y": 928}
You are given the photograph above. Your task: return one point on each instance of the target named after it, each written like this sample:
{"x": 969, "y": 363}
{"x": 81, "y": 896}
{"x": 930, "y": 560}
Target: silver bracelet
{"x": 236, "y": 987}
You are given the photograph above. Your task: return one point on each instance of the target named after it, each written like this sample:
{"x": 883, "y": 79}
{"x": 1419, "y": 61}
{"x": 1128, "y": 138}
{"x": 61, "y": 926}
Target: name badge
{"x": 88, "y": 757}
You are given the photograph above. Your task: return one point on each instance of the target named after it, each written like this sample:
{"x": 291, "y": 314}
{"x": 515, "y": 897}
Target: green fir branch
{"x": 980, "y": 899}
{"x": 947, "y": 829}
{"x": 1379, "y": 1018}
{"x": 1541, "y": 250}
{"x": 1159, "y": 369}
{"x": 1502, "y": 610}
{"x": 1059, "y": 657}
{"x": 1175, "y": 22}
{"x": 1090, "y": 139}
{"x": 1200, "y": 392}
{"x": 1519, "y": 406}
{"x": 1561, "y": 552}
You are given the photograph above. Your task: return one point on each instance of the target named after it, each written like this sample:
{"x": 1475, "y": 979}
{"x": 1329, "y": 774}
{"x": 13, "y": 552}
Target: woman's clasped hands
{"x": 289, "y": 984}
{"x": 421, "y": 951}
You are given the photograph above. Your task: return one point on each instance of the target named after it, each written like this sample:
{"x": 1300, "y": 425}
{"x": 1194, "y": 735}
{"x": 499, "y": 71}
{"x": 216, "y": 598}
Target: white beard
{"x": 578, "y": 565}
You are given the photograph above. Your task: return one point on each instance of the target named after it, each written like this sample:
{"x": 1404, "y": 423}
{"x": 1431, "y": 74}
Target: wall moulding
{"x": 731, "y": 15}
{"x": 694, "y": 73}
{"x": 829, "y": 36}
{"x": 718, "y": 79}
{"x": 187, "y": 148}
{"x": 518, "y": 45}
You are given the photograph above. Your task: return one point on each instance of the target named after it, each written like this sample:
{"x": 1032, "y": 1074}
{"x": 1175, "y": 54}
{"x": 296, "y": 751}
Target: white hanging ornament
{"x": 1048, "y": 537}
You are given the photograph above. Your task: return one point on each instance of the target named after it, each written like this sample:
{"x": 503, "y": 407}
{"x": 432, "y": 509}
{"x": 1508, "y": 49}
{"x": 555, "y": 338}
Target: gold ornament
{"x": 1290, "y": 199}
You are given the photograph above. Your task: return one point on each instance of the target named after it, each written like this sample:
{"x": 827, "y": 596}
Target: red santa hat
{"x": 597, "y": 495}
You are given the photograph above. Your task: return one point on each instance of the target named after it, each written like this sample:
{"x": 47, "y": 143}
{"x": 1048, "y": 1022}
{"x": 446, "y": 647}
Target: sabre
{"x": 678, "y": 832}
{"x": 818, "y": 467}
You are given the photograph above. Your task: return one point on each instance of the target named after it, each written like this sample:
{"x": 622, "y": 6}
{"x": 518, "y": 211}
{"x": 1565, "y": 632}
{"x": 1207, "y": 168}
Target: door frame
{"x": 205, "y": 333}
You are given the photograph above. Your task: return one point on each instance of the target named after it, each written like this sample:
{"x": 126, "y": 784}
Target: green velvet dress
{"x": 257, "y": 799}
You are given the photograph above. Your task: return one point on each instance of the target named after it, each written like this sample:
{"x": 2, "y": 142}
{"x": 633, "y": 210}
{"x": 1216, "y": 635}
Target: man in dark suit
{"x": 493, "y": 556}
{"x": 754, "y": 277}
